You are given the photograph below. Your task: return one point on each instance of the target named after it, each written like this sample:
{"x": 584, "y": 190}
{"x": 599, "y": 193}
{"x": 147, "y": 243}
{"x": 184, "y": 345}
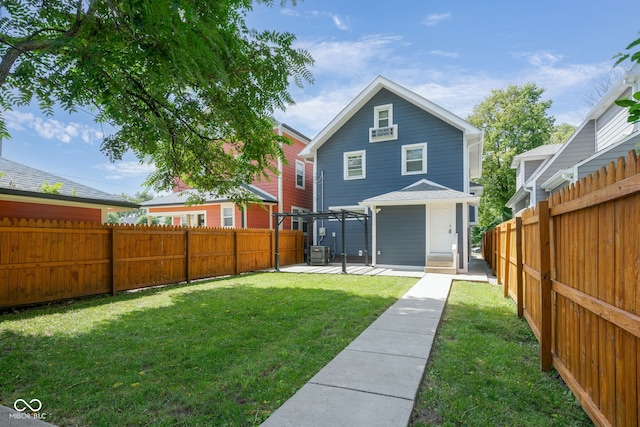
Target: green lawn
{"x": 223, "y": 352}
{"x": 484, "y": 369}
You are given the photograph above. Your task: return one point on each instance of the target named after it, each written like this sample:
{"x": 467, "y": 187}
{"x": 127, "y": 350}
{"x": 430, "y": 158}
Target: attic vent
{"x": 380, "y": 132}
{"x": 383, "y": 133}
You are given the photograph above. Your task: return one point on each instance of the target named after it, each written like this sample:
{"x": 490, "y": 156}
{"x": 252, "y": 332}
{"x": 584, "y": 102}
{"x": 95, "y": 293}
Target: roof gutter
{"x": 557, "y": 179}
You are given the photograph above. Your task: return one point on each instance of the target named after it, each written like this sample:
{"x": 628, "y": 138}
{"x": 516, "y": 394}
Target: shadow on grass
{"x": 222, "y": 356}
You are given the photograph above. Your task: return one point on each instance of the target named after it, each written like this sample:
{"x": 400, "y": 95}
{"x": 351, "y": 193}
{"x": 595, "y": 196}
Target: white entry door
{"x": 441, "y": 228}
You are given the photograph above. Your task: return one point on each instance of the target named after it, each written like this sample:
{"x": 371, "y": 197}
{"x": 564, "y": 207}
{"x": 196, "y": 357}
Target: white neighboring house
{"x": 603, "y": 136}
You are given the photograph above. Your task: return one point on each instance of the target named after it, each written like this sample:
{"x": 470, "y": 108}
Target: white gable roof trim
{"x": 419, "y": 193}
{"x": 472, "y": 133}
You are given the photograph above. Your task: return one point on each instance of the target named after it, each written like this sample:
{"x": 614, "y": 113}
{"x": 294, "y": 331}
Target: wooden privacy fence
{"x": 577, "y": 286}
{"x": 44, "y": 261}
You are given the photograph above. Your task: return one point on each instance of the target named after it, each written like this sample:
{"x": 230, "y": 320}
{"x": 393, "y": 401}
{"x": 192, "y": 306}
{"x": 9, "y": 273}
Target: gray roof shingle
{"x": 179, "y": 198}
{"x": 21, "y": 180}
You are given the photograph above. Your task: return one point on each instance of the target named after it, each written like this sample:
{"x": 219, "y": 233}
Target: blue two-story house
{"x": 406, "y": 162}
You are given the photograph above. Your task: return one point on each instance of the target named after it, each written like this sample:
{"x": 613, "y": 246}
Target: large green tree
{"x": 185, "y": 83}
{"x": 514, "y": 120}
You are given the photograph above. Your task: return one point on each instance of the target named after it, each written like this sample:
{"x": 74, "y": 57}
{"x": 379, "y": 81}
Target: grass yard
{"x": 221, "y": 353}
{"x": 484, "y": 369}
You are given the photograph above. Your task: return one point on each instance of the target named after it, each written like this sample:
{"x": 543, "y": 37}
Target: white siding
{"x": 612, "y": 125}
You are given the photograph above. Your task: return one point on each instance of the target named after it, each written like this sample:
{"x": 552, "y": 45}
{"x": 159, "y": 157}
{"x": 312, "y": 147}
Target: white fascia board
{"x": 373, "y": 88}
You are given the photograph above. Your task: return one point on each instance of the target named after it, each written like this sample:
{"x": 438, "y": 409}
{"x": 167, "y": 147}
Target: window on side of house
{"x": 414, "y": 159}
{"x": 355, "y": 165}
{"x": 298, "y": 223}
{"x": 383, "y": 128}
{"x": 227, "y": 216}
{"x": 300, "y": 174}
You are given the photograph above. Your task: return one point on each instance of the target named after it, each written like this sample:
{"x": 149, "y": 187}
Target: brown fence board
{"x": 592, "y": 279}
{"x": 43, "y": 261}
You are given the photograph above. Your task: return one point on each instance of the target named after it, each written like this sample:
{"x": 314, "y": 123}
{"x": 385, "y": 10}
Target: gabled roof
{"x": 420, "y": 192}
{"x": 539, "y": 153}
{"x": 471, "y": 133}
{"x": 180, "y": 198}
{"x": 20, "y": 180}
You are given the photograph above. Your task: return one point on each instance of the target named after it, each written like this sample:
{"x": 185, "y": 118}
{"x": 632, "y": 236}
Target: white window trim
{"x": 233, "y": 215}
{"x": 376, "y": 124}
{"x": 295, "y": 209}
{"x": 406, "y": 148}
{"x": 345, "y": 162}
{"x": 303, "y": 169}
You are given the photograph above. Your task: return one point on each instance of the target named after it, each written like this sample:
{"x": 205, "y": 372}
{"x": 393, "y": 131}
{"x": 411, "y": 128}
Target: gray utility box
{"x": 319, "y": 255}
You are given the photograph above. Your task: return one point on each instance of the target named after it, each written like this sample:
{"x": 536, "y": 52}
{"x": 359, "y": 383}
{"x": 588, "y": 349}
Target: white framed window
{"x": 383, "y": 128}
{"x": 227, "y": 216}
{"x": 298, "y": 223}
{"x": 414, "y": 159}
{"x": 300, "y": 174}
{"x": 355, "y": 165}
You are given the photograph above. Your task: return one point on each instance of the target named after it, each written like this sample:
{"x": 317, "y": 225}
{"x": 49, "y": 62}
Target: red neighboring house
{"x": 22, "y": 196}
{"x": 291, "y": 190}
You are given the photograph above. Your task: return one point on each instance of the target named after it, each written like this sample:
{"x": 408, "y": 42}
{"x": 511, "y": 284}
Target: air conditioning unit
{"x": 320, "y": 255}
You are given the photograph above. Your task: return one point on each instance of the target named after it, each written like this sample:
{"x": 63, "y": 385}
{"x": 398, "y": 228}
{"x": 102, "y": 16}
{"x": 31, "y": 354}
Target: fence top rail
{"x": 619, "y": 179}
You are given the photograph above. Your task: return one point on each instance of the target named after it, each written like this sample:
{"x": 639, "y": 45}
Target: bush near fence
{"x": 42, "y": 261}
{"x": 574, "y": 275}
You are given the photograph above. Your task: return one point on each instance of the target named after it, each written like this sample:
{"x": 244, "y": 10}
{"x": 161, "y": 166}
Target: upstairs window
{"x": 300, "y": 174}
{"x": 383, "y": 128}
{"x": 355, "y": 165}
{"x": 414, "y": 159}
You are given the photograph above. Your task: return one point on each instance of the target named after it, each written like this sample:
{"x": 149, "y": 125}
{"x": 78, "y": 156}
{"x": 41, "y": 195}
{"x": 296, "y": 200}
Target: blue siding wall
{"x": 383, "y": 159}
{"x": 401, "y": 235}
{"x": 384, "y": 174}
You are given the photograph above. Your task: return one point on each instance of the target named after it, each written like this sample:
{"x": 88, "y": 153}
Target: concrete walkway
{"x": 375, "y": 380}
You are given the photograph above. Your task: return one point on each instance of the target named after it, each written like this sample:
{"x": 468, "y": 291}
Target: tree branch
{"x": 30, "y": 45}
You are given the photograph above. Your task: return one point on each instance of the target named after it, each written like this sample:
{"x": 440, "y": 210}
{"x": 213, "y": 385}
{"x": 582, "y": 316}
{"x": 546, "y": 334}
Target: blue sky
{"x": 450, "y": 52}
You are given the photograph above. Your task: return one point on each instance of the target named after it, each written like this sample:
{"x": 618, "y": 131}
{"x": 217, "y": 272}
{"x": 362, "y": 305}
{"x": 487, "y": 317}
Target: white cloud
{"x": 339, "y": 23}
{"x": 17, "y": 120}
{"x": 436, "y": 18}
{"x": 48, "y": 128}
{"x": 289, "y": 12}
{"x": 124, "y": 170}
{"x": 445, "y": 54}
{"x": 347, "y": 58}
{"x": 540, "y": 58}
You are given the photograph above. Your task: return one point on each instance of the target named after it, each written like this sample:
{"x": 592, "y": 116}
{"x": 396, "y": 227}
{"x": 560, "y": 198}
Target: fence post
{"x": 114, "y": 275}
{"x": 507, "y": 260}
{"x": 188, "y": 255}
{"x": 519, "y": 270}
{"x": 496, "y": 252}
{"x": 235, "y": 252}
{"x": 546, "y": 360}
